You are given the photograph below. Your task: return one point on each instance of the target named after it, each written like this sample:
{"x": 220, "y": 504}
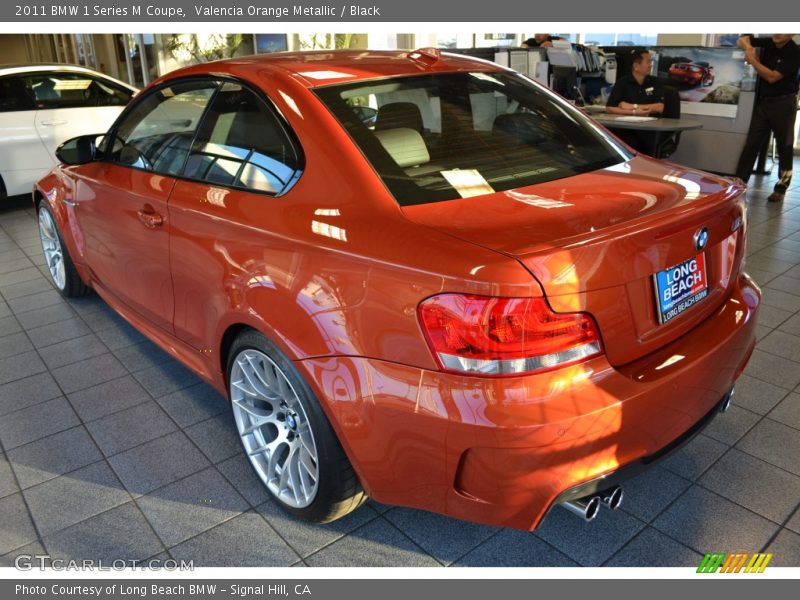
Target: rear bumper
{"x": 503, "y": 451}
{"x": 607, "y": 481}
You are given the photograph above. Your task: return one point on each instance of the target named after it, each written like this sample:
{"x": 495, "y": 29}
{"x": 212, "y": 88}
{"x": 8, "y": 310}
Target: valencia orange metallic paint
{"x": 334, "y": 270}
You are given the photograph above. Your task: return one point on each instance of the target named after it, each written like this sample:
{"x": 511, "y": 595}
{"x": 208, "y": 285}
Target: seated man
{"x": 638, "y": 94}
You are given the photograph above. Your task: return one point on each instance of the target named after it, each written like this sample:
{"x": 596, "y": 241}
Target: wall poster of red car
{"x": 708, "y": 79}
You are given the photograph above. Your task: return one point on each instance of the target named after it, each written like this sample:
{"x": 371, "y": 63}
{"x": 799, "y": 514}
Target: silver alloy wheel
{"x": 274, "y": 428}
{"x": 51, "y": 245}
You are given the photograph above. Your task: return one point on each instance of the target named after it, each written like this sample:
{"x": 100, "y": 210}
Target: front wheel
{"x": 56, "y": 256}
{"x": 286, "y": 435}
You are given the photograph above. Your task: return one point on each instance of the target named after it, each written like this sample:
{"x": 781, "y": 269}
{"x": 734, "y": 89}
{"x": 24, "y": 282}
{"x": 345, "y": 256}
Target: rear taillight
{"x": 505, "y": 336}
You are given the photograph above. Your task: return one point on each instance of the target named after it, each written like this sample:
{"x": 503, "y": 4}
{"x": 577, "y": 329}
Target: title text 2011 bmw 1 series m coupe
{"x": 474, "y": 300}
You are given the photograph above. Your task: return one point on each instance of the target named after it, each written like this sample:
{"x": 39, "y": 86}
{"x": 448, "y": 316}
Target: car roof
{"x": 16, "y": 69}
{"x": 325, "y": 67}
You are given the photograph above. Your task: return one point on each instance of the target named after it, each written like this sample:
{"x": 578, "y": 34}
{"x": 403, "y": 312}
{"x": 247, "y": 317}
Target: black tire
{"x": 338, "y": 490}
{"x": 72, "y": 286}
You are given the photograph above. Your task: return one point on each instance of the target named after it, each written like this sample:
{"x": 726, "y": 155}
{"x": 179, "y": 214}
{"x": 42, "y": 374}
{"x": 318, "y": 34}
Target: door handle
{"x": 151, "y": 220}
{"x": 50, "y": 123}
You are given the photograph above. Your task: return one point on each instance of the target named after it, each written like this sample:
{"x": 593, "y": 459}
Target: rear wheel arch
{"x": 226, "y": 343}
{"x": 340, "y": 490}
{"x": 234, "y": 331}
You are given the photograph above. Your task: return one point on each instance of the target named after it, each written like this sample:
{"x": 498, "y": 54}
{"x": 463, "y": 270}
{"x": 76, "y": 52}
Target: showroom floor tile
{"x": 81, "y": 478}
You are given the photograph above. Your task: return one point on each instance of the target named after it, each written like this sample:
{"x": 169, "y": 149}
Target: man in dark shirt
{"x": 776, "y": 105}
{"x": 540, "y": 40}
{"x": 638, "y": 94}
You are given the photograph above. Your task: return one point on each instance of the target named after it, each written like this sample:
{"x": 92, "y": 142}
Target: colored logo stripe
{"x": 711, "y": 562}
{"x": 734, "y": 563}
{"x": 759, "y": 563}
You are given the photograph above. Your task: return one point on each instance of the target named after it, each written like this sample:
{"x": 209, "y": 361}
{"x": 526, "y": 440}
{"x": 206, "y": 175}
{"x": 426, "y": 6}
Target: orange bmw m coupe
{"x": 416, "y": 276}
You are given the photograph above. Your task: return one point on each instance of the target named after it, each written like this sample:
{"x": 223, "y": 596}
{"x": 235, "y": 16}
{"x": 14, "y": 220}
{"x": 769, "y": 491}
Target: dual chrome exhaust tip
{"x": 588, "y": 507}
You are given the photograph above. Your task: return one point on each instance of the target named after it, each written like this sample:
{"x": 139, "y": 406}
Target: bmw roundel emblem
{"x": 701, "y": 238}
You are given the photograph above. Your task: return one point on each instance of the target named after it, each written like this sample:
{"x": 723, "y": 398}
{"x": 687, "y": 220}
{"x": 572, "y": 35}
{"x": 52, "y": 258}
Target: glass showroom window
{"x": 620, "y": 39}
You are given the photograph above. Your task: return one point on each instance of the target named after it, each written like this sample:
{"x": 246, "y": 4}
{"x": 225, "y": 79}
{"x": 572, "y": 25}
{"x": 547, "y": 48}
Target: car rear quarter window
{"x": 156, "y": 134}
{"x": 241, "y": 143}
{"x": 73, "y": 90}
{"x": 444, "y": 136}
{"x": 13, "y": 96}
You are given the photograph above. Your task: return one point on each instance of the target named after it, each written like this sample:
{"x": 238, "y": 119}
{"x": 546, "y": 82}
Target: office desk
{"x": 660, "y": 128}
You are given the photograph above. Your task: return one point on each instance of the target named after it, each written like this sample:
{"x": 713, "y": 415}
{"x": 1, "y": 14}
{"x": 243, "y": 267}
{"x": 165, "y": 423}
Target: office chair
{"x": 399, "y": 114}
{"x": 672, "y": 110}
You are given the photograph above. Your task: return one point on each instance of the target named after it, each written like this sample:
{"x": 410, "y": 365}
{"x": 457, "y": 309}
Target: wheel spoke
{"x": 254, "y": 425}
{"x": 286, "y": 483}
{"x": 270, "y": 447}
{"x": 295, "y": 481}
{"x": 254, "y": 412}
{"x": 252, "y": 381}
{"x": 256, "y": 418}
{"x": 283, "y": 389}
{"x": 307, "y": 462}
{"x": 273, "y": 466}
{"x": 303, "y": 483}
{"x": 303, "y": 473}
{"x": 308, "y": 445}
{"x": 259, "y": 372}
{"x": 239, "y": 385}
{"x": 47, "y": 232}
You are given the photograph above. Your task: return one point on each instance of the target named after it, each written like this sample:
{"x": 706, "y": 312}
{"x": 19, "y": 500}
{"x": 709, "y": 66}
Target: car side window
{"x": 157, "y": 132}
{"x": 13, "y": 96}
{"x": 73, "y": 90}
{"x": 241, "y": 143}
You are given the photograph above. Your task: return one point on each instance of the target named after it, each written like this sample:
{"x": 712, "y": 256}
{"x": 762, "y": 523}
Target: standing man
{"x": 776, "y": 105}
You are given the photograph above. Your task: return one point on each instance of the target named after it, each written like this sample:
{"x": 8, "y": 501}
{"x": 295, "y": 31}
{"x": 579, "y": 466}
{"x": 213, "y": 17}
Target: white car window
{"x": 13, "y": 96}
{"x": 71, "y": 90}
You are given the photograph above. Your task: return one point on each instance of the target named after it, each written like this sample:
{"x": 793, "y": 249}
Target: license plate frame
{"x": 680, "y": 287}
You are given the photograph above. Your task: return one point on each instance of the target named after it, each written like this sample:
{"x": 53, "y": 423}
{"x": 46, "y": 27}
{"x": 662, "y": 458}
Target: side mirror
{"x": 79, "y": 150}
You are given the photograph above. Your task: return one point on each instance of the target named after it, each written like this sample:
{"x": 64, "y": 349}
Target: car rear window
{"x": 453, "y": 135}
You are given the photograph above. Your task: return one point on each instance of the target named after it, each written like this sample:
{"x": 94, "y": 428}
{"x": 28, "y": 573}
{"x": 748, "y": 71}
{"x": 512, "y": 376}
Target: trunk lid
{"x": 595, "y": 241}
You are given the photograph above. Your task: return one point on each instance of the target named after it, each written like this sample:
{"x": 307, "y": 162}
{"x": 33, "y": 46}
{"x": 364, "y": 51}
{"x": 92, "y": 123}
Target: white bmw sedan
{"x": 44, "y": 105}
